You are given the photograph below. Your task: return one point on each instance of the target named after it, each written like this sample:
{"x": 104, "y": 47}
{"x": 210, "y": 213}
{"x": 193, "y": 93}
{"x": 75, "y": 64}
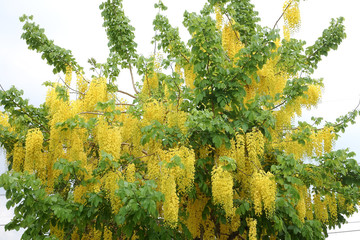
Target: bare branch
{"x": 125, "y": 104}
{"x": 132, "y": 79}
{"x": 126, "y": 93}
{"x": 68, "y": 86}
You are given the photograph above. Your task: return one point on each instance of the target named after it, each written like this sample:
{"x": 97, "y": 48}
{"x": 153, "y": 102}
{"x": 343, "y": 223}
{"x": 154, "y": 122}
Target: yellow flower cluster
{"x": 195, "y": 209}
{"x": 301, "y": 204}
{"x": 332, "y": 206}
{"x": 154, "y": 110}
{"x": 292, "y": 14}
{"x": 311, "y": 97}
{"x": 109, "y": 138}
{"x": 239, "y": 153}
{"x": 4, "y": 120}
{"x": 320, "y": 209}
{"x": 171, "y": 203}
{"x": 251, "y": 222}
{"x": 184, "y": 174}
{"x": 189, "y": 76}
{"x": 81, "y": 84}
{"x": 33, "y": 155}
{"x": 255, "y": 147}
{"x": 219, "y": 17}
{"x": 286, "y": 32}
{"x": 18, "y": 157}
{"x": 263, "y": 192}
{"x": 130, "y": 173}
{"x": 68, "y": 75}
{"x": 319, "y": 142}
{"x": 79, "y": 193}
{"x": 272, "y": 80}
{"x": 76, "y": 151}
{"x": 151, "y": 82}
{"x": 230, "y": 41}
{"x": 107, "y": 233}
{"x": 110, "y": 184}
{"x": 222, "y": 189}
{"x": 209, "y": 230}
{"x": 57, "y": 231}
{"x": 97, "y": 92}
{"x": 177, "y": 118}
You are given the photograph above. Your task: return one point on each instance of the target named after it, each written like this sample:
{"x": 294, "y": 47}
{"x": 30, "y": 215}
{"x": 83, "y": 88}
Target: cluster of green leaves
{"x": 55, "y": 56}
{"x": 121, "y": 38}
{"x": 220, "y": 84}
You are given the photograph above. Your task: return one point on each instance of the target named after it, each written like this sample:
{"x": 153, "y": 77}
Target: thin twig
{"x": 132, "y": 79}
{"x": 126, "y": 93}
{"x": 282, "y": 14}
{"x": 95, "y": 113}
{"x": 68, "y": 86}
{"x": 126, "y": 104}
{"x": 232, "y": 26}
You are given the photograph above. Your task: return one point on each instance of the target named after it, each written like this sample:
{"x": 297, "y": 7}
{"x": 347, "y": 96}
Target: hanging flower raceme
{"x": 222, "y": 189}
{"x": 263, "y": 192}
{"x": 33, "y": 155}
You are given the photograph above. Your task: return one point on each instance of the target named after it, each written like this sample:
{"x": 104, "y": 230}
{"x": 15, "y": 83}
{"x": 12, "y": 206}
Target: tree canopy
{"x": 208, "y": 147}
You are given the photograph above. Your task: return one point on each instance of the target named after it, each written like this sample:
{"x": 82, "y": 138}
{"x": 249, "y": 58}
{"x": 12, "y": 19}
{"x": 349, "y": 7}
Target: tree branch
{"x": 132, "y": 79}
{"x": 282, "y": 14}
{"x": 126, "y": 93}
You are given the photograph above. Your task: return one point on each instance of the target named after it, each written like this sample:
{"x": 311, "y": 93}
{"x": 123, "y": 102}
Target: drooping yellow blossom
{"x": 68, "y": 75}
{"x": 97, "y": 92}
{"x": 33, "y": 158}
{"x": 57, "y": 231}
{"x": 301, "y": 204}
{"x": 154, "y": 110}
{"x": 209, "y": 229}
{"x": 189, "y": 76}
{"x": 311, "y": 97}
{"x": 272, "y": 80}
{"x": 263, "y": 192}
{"x": 184, "y": 175}
{"x": 130, "y": 173}
{"x": 151, "y": 82}
{"x": 109, "y": 138}
{"x": 171, "y": 203}
{"x": 251, "y": 222}
{"x": 107, "y": 233}
{"x": 320, "y": 209}
{"x": 230, "y": 41}
{"x": 18, "y": 157}
{"x": 292, "y": 14}
{"x": 332, "y": 206}
{"x": 82, "y": 85}
{"x": 177, "y": 118}
{"x": 79, "y": 193}
{"x": 110, "y": 184}
{"x": 255, "y": 147}
{"x": 4, "y": 120}
{"x": 286, "y": 32}
{"x": 195, "y": 209}
{"x": 222, "y": 189}
{"x": 219, "y": 17}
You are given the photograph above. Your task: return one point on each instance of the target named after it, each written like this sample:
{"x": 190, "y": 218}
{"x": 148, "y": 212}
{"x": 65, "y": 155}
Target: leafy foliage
{"x": 208, "y": 149}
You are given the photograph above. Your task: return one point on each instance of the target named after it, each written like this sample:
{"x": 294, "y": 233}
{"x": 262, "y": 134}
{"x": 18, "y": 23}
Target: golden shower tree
{"x": 207, "y": 149}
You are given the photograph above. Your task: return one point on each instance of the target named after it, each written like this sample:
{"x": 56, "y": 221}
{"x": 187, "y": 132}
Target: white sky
{"x": 77, "y": 25}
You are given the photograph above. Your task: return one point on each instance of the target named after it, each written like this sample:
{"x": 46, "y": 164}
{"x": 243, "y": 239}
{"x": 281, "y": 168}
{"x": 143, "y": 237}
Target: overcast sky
{"x": 77, "y": 25}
